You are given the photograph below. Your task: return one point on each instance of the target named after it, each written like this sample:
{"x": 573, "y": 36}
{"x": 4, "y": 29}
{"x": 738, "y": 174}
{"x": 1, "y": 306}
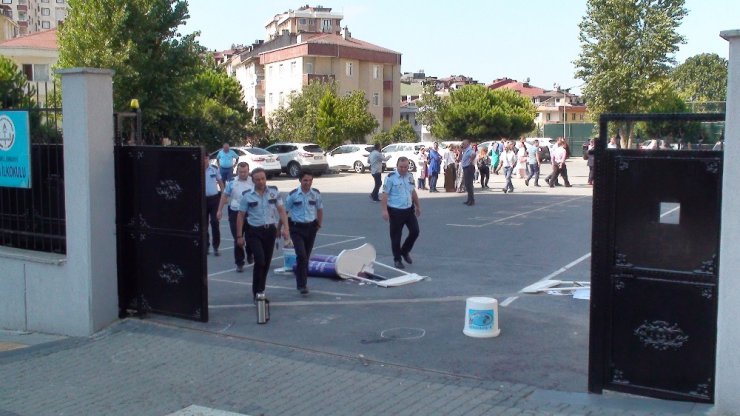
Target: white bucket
{"x": 481, "y": 317}
{"x": 289, "y": 258}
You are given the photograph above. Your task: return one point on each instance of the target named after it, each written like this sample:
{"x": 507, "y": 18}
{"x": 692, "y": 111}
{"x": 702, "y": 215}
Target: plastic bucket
{"x": 289, "y": 258}
{"x": 323, "y": 257}
{"x": 322, "y": 269}
{"x": 481, "y": 317}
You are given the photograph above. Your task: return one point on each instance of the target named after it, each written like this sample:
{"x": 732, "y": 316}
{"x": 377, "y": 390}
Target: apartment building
{"x": 308, "y": 45}
{"x": 35, "y": 15}
{"x": 8, "y": 27}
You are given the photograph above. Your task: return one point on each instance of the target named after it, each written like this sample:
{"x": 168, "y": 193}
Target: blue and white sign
{"x": 15, "y": 150}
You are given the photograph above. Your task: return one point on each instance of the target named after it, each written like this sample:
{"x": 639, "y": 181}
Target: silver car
{"x": 295, "y": 157}
{"x": 256, "y": 158}
{"x": 350, "y": 157}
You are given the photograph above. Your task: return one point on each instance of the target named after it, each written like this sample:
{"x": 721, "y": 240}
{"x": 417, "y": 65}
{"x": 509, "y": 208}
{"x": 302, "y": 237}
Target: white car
{"x": 256, "y": 157}
{"x": 296, "y": 157}
{"x": 411, "y": 150}
{"x": 350, "y": 157}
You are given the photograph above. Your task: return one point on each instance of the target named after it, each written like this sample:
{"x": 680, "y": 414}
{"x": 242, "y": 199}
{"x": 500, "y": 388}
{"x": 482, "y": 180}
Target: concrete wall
{"x": 74, "y": 294}
{"x": 727, "y": 399}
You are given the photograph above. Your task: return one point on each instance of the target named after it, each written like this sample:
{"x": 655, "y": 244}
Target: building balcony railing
{"x": 387, "y": 85}
{"x": 387, "y": 111}
{"x": 308, "y": 78}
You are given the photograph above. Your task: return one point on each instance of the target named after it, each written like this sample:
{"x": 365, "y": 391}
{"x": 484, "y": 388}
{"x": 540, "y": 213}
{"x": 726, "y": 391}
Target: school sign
{"x": 15, "y": 150}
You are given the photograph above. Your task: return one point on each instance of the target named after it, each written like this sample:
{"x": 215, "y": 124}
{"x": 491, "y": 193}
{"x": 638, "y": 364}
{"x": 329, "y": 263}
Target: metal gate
{"x": 161, "y": 228}
{"x": 654, "y": 271}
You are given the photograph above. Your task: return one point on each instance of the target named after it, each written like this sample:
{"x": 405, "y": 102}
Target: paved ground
{"x": 351, "y": 349}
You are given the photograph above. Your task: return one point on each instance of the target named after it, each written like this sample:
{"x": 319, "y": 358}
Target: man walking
{"x": 435, "y": 165}
{"x": 467, "y": 161}
{"x": 263, "y": 207}
{"x": 232, "y": 196}
{"x": 226, "y": 159}
{"x": 559, "y": 155}
{"x": 214, "y": 185}
{"x": 305, "y": 216}
{"x": 376, "y": 160}
{"x": 533, "y": 158}
{"x": 508, "y": 162}
{"x": 400, "y": 206}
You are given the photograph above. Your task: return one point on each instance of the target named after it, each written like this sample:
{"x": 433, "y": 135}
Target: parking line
{"x": 516, "y": 215}
{"x": 348, "y": 302}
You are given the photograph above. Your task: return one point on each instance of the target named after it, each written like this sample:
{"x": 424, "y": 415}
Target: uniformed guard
{"x": 214, "y": 185}
{"x": 305, "y": 215}
{"x": 400, "y": 206}
{"x": 232, "y": 196}
{"x": 263, "y": 207}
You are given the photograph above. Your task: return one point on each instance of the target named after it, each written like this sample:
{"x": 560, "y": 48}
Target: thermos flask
{"x": 263, "y": 309}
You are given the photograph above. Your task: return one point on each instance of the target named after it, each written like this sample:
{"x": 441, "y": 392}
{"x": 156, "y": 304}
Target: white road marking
{"x": 582, "y": 258}
{"x": 516, "y": 215}
{"x": 282, "y": 287}
{"x": 508, "y": 301}
{"x": 347, "y": 302}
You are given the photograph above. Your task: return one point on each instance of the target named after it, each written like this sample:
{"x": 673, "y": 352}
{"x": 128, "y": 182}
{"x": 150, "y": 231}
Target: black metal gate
{"x": 656, "y": 229}
{"x": 161, "y": 227}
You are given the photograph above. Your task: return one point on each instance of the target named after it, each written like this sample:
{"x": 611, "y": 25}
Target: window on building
{"x": 44, "y": 1}
{"x": 45, "y": 11}
{"x": 7, "y": 1}
{"x": 22, "y": 16}
{"x": 376, "y": 99}
{"x": 548, "y": 116}
{"x": 280, "y": 70}
{"x": 309, "y": 68}
{"x": 36, "y": 72}
{"x": 376, "y": 71}
{"x": 349, "y": 69}
{"x": 557, "y": 100}
{"x": 573, "y": 117}
{"x": 326, "y": 25}
{"x": 269, "y": 70}
{"x": 581, "y": 117}
{"x": 46, "y": 25}
{"x": 292, "y": 68}
{"x": 281, "y": 99}
{"x": 269, "y": 98}
{"x": 60, "y": 1}
{"x": 301, "y": 21}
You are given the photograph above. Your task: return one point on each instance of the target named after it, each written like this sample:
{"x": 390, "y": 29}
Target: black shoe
{"x": 567, "y": 185}
{"x": 505, "y": 190}
{"x": 407, "y": 258}
{"x": 526, "y": 182}
{"x": 398, "y": 264}
{"x": 537, "y": 185}
{"x": 511, "y": 190}
{"x": 216, "y": 253}
{"x": 303, "y": 290}
{"x": 239, "y": 268}
{"x": 250, "y": 258}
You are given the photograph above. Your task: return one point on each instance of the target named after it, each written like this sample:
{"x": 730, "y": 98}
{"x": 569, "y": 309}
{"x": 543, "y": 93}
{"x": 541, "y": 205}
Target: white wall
{"x": 727, "y": 390}
{"x": 74, "y": 294}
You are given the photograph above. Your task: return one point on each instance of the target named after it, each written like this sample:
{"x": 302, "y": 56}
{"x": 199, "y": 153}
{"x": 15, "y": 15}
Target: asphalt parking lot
{"x": 495, "y": 248}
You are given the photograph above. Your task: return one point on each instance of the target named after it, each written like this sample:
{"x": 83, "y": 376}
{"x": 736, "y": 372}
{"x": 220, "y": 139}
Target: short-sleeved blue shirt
{"x": 226, "y": 159}
{"x": 399, "y": 189}
{"x": 212, "y": 177}
{"x": 303, "y": 206}
{"x": 262, "y": 209}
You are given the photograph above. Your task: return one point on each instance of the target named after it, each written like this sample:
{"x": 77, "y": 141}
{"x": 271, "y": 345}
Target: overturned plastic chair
{"x": 359, "y": 264}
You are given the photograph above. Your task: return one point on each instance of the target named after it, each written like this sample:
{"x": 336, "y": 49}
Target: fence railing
{"x": 34, "y": 219}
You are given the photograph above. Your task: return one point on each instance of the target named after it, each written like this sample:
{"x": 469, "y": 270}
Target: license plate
{"x": 318, "y": 157}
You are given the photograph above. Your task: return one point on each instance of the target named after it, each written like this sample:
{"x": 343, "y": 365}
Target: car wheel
{"x": 359, "y": 167}
{"x": 412, "y": 166}
{"x": 294, "y": 169}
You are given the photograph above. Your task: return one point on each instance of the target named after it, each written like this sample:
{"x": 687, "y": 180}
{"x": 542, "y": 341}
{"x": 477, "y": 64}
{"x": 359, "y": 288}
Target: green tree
{"x": 14, "y": 89}
{"x": 626, "y": 47}
{"x": 153, "y": 63}
{"x": 477, "y": 113}
{"x": 701, "y": 78}
{"x": 340, "y": 119}
{"x": 430, "y": 105}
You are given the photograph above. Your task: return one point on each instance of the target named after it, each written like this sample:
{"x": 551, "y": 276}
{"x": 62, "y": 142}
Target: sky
{"x": 486, "y": 40}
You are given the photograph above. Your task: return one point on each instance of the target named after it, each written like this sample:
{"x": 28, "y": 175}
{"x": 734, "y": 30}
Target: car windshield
{"x": 313, "y": 148}
{"x": 257, "y": 151}
{"x": 369, "y": 148}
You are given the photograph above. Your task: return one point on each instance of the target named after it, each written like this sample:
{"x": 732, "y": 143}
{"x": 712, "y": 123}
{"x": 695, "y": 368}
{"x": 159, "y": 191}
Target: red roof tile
{"x": 334, "y": 39}
{"x": 39, "y": 40}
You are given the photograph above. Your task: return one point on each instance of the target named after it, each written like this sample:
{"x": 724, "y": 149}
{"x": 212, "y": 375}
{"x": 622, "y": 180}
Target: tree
{"x": 701, "y": 78}
{"x": 153, "y": 63}
{"x": 626, "y": 47}
{"x": 664, "y": 98}
{"x": 430, "y": 106}
{"x": 14, "y": 88}
{"x": 318, "y": 115}
{"x": 477, "y": 113}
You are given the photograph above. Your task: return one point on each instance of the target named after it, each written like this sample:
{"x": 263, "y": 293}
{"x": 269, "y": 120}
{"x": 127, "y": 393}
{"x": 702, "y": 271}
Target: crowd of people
{"x": 508, "y": 157}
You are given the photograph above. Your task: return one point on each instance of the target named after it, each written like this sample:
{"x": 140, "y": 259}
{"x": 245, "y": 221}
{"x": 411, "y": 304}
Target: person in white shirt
{"x": 558, "y": 164}
{"x": 508, "y": 161}
{"x": 232, "y": 196}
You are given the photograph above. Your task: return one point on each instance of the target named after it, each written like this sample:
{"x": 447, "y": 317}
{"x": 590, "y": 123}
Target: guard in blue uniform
{"x": 232, "y": 196}
{"x": 305, "y": 215}
{"x": 214, "y": 185}
{"x": 400, "y": 206}
{"x": 263, "y": 207}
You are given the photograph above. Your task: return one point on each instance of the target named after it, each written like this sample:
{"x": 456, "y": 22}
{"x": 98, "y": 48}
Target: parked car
{"x": 350, "y": 157}
{"x": 393, "y": 151}
{"x": 654, "y": 144}
{"x": 256, "y": 157}
{"x": 295, "y": 157}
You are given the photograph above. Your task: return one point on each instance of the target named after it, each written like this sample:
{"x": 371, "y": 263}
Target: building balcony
{"x": 387, "y": 85}
{"x": 308, "y": 78}
{"x": 387, "y": 111}
{"x": 22, "y": 8}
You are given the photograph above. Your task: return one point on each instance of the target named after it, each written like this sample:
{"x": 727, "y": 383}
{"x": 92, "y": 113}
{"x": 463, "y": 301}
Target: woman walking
{"x": 484, "y": 167}
{"x": 450, "y": 169}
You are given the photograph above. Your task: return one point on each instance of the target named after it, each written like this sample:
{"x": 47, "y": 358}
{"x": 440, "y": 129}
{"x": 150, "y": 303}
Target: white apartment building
{"x": 307, "y": 45}
{"x": 35, "y": 15}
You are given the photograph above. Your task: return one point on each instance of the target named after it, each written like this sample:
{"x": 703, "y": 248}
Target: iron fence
{"x": 34, "y": 219}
